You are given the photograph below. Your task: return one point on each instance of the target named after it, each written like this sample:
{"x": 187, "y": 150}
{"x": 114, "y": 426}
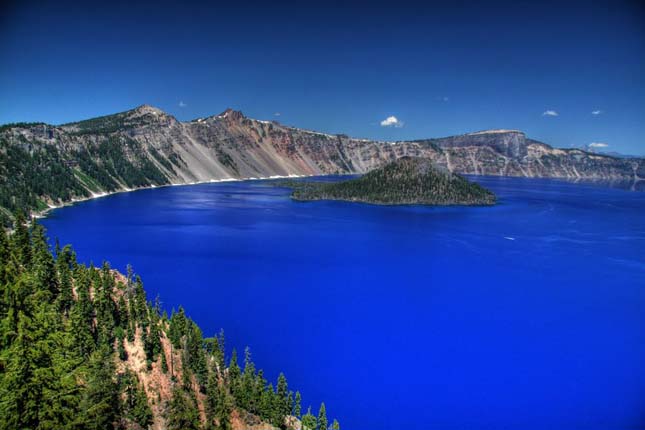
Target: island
{"x": 405, "y": 181}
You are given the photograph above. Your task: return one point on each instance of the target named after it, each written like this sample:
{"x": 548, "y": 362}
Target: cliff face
{"x": 145, "y": 146}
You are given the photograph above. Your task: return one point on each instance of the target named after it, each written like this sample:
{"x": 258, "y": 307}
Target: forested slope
{"x": 82, "y": 348}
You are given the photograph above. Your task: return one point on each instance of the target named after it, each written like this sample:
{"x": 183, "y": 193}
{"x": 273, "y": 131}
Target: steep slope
{"x": 82, "y": 348}
{"x": 43, "y": 165}
{"x": 407, "y": 180}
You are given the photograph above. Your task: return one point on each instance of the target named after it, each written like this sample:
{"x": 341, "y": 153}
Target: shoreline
{"x": 611, "y": 183}
{"x": 45, "y": 212}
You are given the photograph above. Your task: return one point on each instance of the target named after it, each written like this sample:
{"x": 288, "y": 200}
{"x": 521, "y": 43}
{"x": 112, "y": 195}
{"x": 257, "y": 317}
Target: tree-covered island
{"x": 406, "y": 181}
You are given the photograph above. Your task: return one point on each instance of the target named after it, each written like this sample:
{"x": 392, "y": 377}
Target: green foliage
{"x": 404, "y": 181}
{"x": 33, "y": 173}
{"x": 63, "y": 361}
{"x": 100, "y": 398}
{"x": 322, "y": 417}
{"x": 297, "y": 409}
{"x": 183, "y": 413}
{"x": 29, "y": 173}
{"x": 135, "y": 405}
{"x": 309, "y": 421}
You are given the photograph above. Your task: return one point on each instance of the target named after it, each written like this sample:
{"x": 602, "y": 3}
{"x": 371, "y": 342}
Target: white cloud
{"x": 549, "y": 113}
{"x": 596, "y": 112}
{"x": 598, "y": 145}
{"x": 182, "y": 104}
{"x": 391, "y": 121}
{"x": 277, "y": 114}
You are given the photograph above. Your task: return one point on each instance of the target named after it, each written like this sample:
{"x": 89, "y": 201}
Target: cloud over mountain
{"x": 391, "y": 121}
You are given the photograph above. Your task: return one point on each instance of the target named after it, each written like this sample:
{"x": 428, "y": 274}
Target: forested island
{"x": 408, "y": 180}
{"x": 82, "y": 348}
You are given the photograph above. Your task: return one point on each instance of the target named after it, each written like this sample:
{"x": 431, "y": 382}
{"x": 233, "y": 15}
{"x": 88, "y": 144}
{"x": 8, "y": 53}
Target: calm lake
{"x": 529, "y": 314}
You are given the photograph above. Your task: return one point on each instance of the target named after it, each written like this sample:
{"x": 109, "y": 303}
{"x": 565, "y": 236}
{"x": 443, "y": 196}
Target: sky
{"x": 566, "y": 73}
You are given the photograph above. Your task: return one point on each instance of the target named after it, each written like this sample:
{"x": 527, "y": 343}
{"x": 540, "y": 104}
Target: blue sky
{"x": 438, "y": 68}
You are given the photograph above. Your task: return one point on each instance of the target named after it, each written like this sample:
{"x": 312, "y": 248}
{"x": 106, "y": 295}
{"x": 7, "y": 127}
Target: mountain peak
{"x": 231, "y": 114}
{"x": 146, "y": 109}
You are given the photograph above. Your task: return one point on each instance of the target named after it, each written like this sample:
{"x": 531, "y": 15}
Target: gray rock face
{"x": 509, "y": 143}
{"x": 231, "y": 146}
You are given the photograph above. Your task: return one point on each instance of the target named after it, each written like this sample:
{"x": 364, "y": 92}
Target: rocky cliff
{"x": 145, "y": 147}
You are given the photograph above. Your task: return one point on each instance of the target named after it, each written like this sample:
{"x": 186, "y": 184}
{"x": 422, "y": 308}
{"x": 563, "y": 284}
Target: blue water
{"x": 526, "y": 315}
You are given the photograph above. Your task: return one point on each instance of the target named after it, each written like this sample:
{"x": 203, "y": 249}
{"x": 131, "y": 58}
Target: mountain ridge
{"x": 145, "y": 146}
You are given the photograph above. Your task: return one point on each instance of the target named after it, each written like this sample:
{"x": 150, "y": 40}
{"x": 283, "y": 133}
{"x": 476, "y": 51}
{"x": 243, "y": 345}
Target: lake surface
{"x": 529, "y": 314}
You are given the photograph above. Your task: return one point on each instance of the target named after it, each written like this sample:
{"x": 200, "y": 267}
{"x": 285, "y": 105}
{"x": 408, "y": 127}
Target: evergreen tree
{"x": 234, "y": 374}
{"x": 120, "y": 338}
{"x": 258, "y": 390}
{"x": 65, "y": 262}
{"x": 223, "y": 410}
{"x": 100, "y": 398}
{"x": 335, "y": 425}
{"x": 282, "y": 391}
{"x": 81, "y": 316}
{"x": 42, "y": 261}
{"x": 59, "y": 325}
{"x": 21, "y": 241}
{"x": 246, "y": 397}
{"x": 297, "y": 408}
{"x": 177, "y": 327}
{"x": 135, "y": 403}
{"x": 322, "y": 417}
{"x": 308, "y": 420}
{"x": 221, "y": 351}
{"x": 183, "y": 413}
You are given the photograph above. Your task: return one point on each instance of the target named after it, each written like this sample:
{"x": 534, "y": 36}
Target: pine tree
{"x": 135, "y": 403}
{"x": 177, "y": 327}
{"x": 194, "y": 352}
{"x": 65, "y": 262}
{"x": 57, "y": 358}
{"x": 247, "y": 389}
{"x": 282, "y": 397}
{"x": 335, "y": 425}
{"x": 308, "y": 420}
{"x": 120, "y": 338}
{"x": 164, "y": 362}
{"x": 183, "y": 413}
{"x": 21, "y": 241}
{"x": 100, "y": 399}
{"x": 81, "y": 316}
{"x": 322, "y": 417}
{"x": 267, "y": 404}
{"x": 234, "y": 374}
{"x": 42, "y": 261}
{"x": 258, "y": 390}
{"x": 220, "y": 352}
{"x": 105, "y": 306}
{"x": 297, "y": 410}
{"x": 223, "y": 410}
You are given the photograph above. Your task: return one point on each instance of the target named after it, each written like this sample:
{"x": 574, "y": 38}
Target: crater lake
{"x": 529, "y": 314}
